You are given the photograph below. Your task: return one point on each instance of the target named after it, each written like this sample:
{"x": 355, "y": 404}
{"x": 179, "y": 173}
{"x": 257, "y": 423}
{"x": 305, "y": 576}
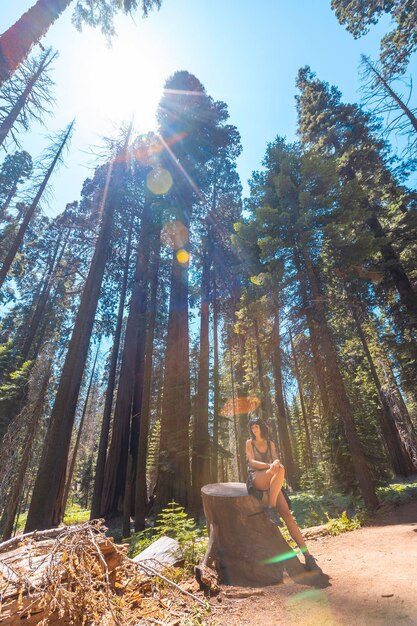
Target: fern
{"x": 342, "y": 524}
{"x": 173, "y": 522}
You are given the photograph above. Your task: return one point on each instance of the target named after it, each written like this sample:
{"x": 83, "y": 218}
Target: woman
{"x": 265, "y": 473}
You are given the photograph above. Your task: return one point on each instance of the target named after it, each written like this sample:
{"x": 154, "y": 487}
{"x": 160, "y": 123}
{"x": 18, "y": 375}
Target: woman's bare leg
{"x": 277, "y": 481}
{"x": 262, "y": 479}
{"x": 291, "y": 524}
{"x": 272, "y": 480}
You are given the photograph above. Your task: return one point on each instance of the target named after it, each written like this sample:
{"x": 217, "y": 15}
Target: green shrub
{"x": 318, "y": 480}
{"x": 398, "y": 493}
{"x": 140, "y": 541}
{"x": 311, "y": 509}
{"x": 342, "y": 524}
{"x": 173, "y": 522}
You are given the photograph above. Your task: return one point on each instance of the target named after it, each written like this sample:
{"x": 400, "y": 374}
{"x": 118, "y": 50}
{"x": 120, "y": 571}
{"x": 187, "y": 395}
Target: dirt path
{"x": 372, "y": 580}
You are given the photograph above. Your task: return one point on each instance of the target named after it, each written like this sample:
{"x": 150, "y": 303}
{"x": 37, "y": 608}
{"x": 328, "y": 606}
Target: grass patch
{"x": 21, "y": 523}
{"x": 311, "y": 509}
{"x": 74, "y": 514}
{"x": 398, "y": 492}
{"x": 345, "y": 510}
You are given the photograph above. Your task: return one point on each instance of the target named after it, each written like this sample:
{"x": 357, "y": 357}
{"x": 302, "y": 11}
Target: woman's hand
{"x": 275, "y": 466}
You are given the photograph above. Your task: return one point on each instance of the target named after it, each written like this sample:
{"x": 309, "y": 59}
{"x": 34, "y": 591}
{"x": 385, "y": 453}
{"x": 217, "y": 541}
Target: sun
{"x": 122, "y": 81}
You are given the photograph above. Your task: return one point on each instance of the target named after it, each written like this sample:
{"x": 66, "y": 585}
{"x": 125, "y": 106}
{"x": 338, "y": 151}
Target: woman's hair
{"x": 262, "y": 425}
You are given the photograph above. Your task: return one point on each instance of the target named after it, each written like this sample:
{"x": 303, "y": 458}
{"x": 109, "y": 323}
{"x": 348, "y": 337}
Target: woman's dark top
{"x": 264, "y": 457}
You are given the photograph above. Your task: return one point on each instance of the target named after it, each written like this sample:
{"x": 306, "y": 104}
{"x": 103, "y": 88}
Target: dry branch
{"x": 79, "y": 576}
{"x": 37, "y": 535}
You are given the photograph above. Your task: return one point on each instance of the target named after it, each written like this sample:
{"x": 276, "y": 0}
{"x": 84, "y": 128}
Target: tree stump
{"x": 242, "y": 538}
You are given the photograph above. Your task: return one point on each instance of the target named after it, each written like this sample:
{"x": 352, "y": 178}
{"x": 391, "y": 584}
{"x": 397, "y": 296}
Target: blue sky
{"x": 244, "y": 52}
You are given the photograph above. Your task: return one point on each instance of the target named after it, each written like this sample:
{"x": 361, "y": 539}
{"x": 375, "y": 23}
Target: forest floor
{"x": 370, "y": 578}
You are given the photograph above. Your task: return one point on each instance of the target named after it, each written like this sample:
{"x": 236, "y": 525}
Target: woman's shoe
{"x": 273, "y": 515}
{"x": 311, "y": 564}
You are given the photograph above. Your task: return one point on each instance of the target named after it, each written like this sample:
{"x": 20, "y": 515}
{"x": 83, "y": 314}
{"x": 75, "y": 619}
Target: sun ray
{"x": 183, "y": 171}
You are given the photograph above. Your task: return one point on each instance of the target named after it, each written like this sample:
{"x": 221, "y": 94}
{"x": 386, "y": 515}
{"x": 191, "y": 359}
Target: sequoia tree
{"x": 55, "y": 157}
{"x": 397, "y": 45}
{"x": 50, "y": 480}
{"x": 347, "y": 134}
{"x": 193, "y": 130}
{"x": 17, "y": 41}
{"x": 293, "y": 193}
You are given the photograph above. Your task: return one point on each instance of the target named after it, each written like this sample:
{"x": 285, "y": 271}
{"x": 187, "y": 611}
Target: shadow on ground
{"x": 299, "y": 575}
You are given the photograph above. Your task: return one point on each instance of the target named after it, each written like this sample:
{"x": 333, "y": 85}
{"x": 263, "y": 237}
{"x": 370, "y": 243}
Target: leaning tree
{"x": 17, "y": 41}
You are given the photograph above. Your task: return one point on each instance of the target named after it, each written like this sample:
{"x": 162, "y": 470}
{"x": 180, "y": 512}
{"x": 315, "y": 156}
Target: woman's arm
{"x": 274, "y": 454}
{"x": 257, "y": 465}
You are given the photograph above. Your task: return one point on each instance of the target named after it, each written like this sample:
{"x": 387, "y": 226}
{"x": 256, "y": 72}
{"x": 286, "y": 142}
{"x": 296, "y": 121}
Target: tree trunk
{"x": 174, "y": 469}
{"x": 63, "y": 504}
{"x": 309, "y": 451}
{"x": 335, "y": 439}
{"x": 10, "y": 119}
{"x": 282, "y": 423}
{"x": 264, "y": 390}
{"x": 96, "y": 509}
{"x": 340, "y": 398}
{"x": 30, "y": 211}
{"x": 241, "y": 411}
{"x": 240, "y": 469}
{"x": 51, "y": 473}
{"x": 38, "y": 314}
{"x": 136, "y": 419}
{"x": 141, "y": 495}
{"x": 131, "y": 375}
{"x": 247, "y": 546}
{"x": 400, "y": 456}
{"x": 7, "y": 202}
{"x": 17, "y": 488}
{"x": 200, "y": 463}
{"x": 408, "y": 296}
{"x": 401, "y": 105}
{"x": 216, "y": 386}
{"x": 318, "y": 363}
{"x": 17, "y": 41}
{"x": 264, "y": 396}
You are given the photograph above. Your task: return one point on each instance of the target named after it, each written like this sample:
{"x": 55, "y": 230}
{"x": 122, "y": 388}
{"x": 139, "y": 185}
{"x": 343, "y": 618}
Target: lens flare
{"x": 240, "y": 405}
{"x": 146, "y": 150}
{"x": 313, "y": 603}
{"x": 285, "y": 556}
{"x": 159, "y": 181}
{"x": 183, "y": 256}
{"x": 256, "y": 280}
{"x": 174, "y": 234}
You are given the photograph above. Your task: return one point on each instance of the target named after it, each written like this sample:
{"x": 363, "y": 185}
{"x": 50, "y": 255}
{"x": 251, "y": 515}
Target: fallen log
{"x": 82, "y": 577}
{"x": 162, "y": 553}
{"x": 245, "y": 547}
{"x": 36, "y": 535}
{"x": 35, "y": 575}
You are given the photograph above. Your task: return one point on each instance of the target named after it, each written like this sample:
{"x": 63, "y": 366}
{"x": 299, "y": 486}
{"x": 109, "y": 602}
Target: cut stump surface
{"x": 243, "y": 540}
